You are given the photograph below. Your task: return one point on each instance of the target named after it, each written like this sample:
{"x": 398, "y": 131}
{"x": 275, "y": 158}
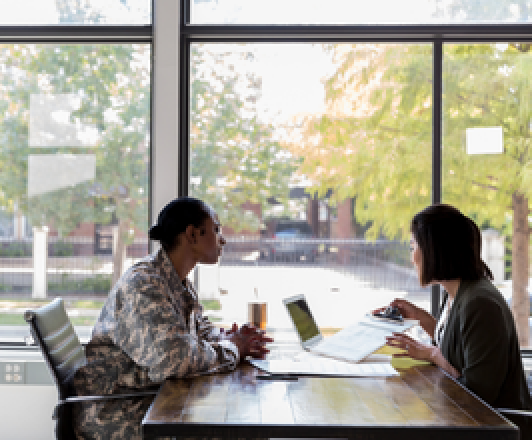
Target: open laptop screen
{"x": 302, "y": 319}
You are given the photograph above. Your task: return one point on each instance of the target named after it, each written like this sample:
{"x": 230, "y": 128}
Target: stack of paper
{"x": 320, "y": 366}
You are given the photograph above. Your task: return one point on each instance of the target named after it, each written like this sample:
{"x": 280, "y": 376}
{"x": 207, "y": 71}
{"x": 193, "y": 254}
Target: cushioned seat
{"x": 53, "y": 332}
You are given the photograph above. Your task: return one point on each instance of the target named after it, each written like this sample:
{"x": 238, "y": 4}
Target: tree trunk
{"x": 313, "y": 215}
{"x": 119, "y": 250}
{"x": 520, "y": 245}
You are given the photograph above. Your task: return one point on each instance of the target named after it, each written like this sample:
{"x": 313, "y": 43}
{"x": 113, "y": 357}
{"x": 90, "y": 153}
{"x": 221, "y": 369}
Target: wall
{"x": 26, "y": 412}
{"x": 26, "y": 407}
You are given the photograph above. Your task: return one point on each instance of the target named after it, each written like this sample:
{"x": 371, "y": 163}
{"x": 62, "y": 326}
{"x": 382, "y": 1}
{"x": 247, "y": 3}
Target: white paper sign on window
{"x": 484, "y": 140}
{"x": 51, "y": 124}
{"x": 50, "y": 172}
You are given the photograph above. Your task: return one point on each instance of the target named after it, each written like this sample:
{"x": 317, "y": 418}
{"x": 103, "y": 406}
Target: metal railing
{"x": 72, "y": 266}
{"x": 380, "y": 263}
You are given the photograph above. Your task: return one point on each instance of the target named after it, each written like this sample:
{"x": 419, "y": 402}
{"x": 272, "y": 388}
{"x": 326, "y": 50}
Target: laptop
{"x": 351, "y": 344}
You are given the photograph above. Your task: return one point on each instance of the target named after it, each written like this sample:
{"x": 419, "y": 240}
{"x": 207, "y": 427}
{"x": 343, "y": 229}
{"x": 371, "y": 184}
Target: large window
{"x": 318, "y": 129}
{"x": 486, "y": 157}
{"x": 315, "y": 165}
{"x": 74, "y": 157}
{"x": 315, "y": 129}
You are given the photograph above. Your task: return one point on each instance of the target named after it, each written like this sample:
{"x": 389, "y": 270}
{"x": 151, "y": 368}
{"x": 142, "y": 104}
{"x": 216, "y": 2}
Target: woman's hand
{"x": 407, "y": 309}
{"x": 249, "y": 340}
{"x": 413, "y": 348}
{"x": 420, "y": 351}
{"x": 410, "y": 311}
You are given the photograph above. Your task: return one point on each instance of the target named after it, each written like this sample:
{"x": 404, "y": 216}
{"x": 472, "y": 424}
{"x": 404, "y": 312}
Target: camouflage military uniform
{"x": 151, "y": 327}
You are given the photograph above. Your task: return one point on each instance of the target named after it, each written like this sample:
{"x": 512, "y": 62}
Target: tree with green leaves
{"x": 112, "y": 84}
{"x": 364, "y": 145}
{"x": 234, "y": 157}
{"x": 374, "y": 142}
{"x": 503, "y": 99}
{"x": 232, "y": 152}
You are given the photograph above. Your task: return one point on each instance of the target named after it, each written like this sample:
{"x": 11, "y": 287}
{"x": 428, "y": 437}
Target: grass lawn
{"x": 16, "y": 319}
{"x": 210, "y": 304}
{"x": 32, "y": 303}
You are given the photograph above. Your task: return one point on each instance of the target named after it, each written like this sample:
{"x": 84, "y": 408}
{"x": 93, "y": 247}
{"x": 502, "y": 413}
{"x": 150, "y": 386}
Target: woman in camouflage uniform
{"x": 152, "y": 327}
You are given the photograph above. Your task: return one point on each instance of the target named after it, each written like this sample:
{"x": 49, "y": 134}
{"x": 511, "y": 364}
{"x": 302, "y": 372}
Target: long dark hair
{"x": 174, "y": 219}
{"x": 450, "y": 244}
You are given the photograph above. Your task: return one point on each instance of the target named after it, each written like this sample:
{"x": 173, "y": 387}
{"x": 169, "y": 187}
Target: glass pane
{"x": 486, "y": 158}
{"x": 53, "y": 12}
{"x": 359, "y": 12}
{"x": 75, "y": 169}
{"x": 315, "y": 158}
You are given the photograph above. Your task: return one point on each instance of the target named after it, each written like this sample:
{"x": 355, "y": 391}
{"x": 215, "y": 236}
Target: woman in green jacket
{"x": 474, "y": 336}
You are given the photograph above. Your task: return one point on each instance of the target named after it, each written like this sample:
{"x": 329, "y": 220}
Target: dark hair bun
{"x": 155, "y": 232}
{"x": 175, "y": 217}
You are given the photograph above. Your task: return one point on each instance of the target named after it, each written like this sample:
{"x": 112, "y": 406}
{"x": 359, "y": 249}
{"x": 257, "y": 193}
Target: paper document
{"x": 359, "y": 340}
{"x": 324, "y": 367}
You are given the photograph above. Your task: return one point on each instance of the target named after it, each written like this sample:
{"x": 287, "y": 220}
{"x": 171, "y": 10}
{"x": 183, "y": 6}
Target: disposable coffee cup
{"x": 257, "y": 314}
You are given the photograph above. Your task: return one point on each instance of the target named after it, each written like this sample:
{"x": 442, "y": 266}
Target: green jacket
{"x": 480, "y": 341}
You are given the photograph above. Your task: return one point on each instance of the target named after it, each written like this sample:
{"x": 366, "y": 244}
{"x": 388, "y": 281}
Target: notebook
{"x": 351, "y": 344}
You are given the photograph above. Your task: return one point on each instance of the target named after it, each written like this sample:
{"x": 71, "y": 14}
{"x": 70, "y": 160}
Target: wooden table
{"x": 421, "y": 403}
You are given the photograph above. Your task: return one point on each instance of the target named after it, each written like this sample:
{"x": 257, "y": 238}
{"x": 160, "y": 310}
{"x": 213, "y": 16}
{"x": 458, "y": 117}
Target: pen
{"x": 276, "y": 376}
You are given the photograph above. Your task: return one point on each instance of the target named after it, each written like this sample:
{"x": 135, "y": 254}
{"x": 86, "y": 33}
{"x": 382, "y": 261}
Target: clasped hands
{"x": 249, "y": 340}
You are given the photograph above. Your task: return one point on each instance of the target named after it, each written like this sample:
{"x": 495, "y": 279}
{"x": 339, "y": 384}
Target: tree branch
{"x": 483, "y": 185}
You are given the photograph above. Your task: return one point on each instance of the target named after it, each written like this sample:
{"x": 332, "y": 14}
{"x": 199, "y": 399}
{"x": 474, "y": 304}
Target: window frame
{"x": 188, "y": 33}
{"x": 437, "y": 35}
{"x": 86, "y": 34}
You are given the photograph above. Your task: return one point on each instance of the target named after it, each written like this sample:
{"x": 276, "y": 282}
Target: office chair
{"x": 53, "y": 332}
{"x": 522, "y": 419}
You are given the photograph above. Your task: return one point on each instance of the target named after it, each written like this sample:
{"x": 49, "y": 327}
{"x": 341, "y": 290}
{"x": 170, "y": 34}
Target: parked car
{"x": 292, "y": 240}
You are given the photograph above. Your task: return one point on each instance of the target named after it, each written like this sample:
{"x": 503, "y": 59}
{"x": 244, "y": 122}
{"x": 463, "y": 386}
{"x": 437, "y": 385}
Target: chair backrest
{"x": 59, "y": 343}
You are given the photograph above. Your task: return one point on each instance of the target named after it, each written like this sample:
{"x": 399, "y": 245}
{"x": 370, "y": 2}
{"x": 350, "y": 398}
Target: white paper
{"x": 324, "y": 367}
{"x": 484, "y": 140}
{"x": 355, "y": 342}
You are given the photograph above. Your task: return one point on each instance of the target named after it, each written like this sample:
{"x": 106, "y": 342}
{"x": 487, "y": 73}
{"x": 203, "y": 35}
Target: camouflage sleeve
{"x": 205, "y": 328}
{"x": 155, "y": 335}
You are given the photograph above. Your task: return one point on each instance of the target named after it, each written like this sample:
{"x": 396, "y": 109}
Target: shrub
{"x": 94, "y": 284}
{"x": 62, "y": 249}
{"x": 15, "y": 249}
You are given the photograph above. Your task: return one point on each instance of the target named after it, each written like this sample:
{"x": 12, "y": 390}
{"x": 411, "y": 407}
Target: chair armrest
{"x": 103, "y": 398}
{"x": 81, "y": 399}
{"x": 515, "y": 412}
